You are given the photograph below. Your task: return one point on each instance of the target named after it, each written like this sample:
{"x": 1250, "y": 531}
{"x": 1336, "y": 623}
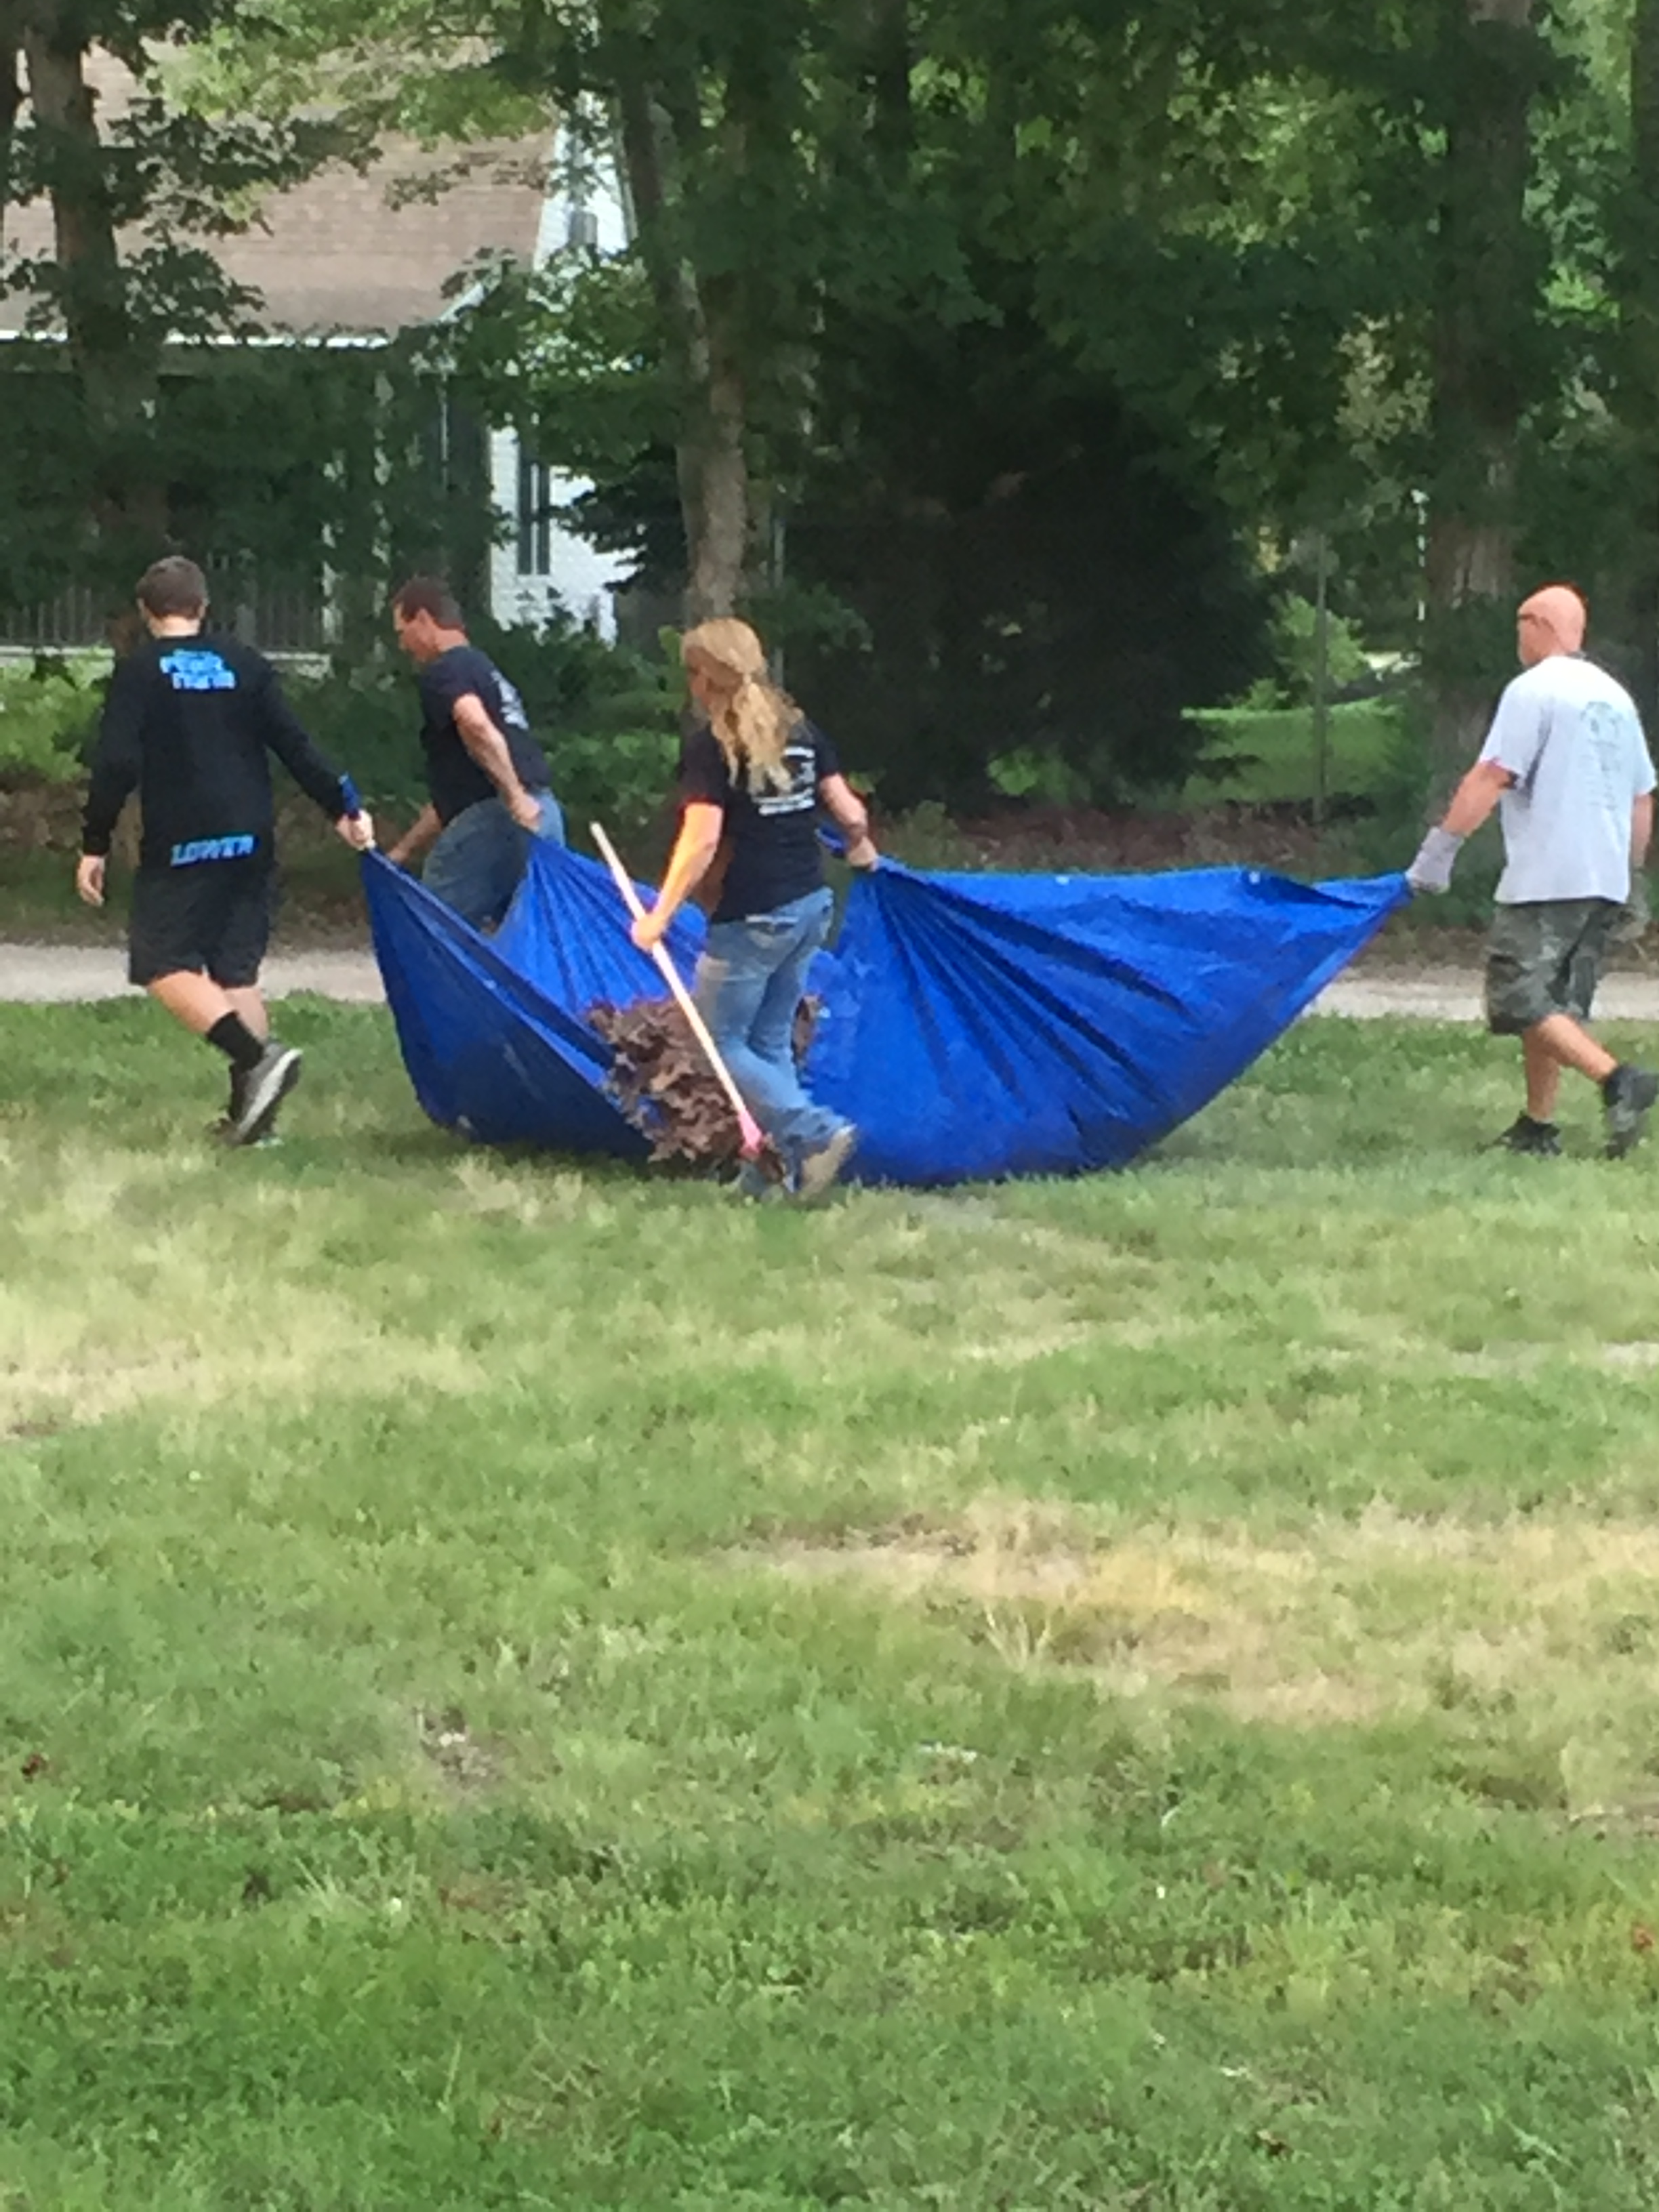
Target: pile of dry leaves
{"x": 662, "y": 1081}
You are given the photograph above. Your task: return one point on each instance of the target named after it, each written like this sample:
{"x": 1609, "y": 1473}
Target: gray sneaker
{"x": 1628, "y": 1094}
{"x": 820, "y": 1171}
{"x": 269, "y": 1082}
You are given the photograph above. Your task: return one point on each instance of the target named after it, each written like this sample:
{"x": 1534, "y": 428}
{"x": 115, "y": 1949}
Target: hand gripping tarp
{"x": 974, "y": 1026}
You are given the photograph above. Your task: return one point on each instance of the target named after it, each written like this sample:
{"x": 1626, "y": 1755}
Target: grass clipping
{"x": 661, "y": 1080}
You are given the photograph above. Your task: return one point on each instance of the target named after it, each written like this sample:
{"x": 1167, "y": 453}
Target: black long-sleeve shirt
{"x": 189, "y": 723}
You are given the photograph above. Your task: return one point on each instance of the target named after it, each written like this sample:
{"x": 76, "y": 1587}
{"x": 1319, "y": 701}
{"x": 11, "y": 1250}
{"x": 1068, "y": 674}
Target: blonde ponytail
{"x": 755, "y": 725}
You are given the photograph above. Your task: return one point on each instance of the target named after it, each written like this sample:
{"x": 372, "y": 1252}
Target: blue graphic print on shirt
{"x": 242, "y": 848}
{"x": 194, "y": 669}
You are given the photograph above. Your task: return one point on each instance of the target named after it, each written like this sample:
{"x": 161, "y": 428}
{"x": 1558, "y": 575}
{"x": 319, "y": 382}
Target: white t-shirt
{"x": 1572, "y": 740}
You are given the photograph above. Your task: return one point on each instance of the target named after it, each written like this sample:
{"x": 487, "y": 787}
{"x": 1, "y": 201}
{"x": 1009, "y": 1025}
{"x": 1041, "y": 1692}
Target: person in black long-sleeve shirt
{"x": 189, "y": 723}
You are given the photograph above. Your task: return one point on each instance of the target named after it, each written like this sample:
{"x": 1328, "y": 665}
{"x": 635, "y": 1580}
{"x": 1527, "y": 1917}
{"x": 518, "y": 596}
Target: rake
{"x": 753, "y": 1137}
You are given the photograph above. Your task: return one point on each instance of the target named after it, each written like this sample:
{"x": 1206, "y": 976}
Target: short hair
{"x": 429, "y": 595}
{"x": 172, "y": 587}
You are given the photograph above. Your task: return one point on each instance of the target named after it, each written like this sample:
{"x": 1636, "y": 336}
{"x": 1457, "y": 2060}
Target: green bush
{"x": 1296, "y": 656}
{"x": 1266, "y": 758}
{"x": 48, "y": 714}
{"x": 608, "y": 716}
{"x": 926, "y": 836}
{"x": 1029, "y": 773}
{"x": 367, "y": 720}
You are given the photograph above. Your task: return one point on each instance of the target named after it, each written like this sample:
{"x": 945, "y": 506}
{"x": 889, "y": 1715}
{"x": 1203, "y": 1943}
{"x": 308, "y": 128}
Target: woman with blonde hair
{"x": 754, "y": 774}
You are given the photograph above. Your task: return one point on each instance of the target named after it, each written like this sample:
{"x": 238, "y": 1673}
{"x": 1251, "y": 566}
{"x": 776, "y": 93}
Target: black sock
{"x": 231, "y": 1036}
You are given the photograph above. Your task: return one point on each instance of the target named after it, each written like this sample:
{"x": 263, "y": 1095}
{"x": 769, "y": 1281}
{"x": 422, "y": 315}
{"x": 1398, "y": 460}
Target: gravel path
{"x": 62, "y": 974}
{"x": 1452, "y": 994}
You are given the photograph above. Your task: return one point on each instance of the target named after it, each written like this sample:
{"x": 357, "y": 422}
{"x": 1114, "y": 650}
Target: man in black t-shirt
{"x": 487, "y": 779}
{"x": 188, "y": 723}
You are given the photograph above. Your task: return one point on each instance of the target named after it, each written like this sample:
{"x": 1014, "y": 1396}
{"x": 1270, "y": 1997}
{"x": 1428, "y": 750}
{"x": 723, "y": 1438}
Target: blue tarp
{"x": 974, "y": 1026}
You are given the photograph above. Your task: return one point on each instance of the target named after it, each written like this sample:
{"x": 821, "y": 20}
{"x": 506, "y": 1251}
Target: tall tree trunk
{"x": 1484, "y": 309}
{"x": 352, "y": 403}
{"x": 711, "y": 451}
{"x": 11, "y": 101}
{"x": 719, "y": 459}
{"x": 1638, "y": 391}
{"x": 117, "y": 370}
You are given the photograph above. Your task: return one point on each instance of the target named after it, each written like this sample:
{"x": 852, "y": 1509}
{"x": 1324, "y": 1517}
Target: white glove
{"x": 1432, "y": 871}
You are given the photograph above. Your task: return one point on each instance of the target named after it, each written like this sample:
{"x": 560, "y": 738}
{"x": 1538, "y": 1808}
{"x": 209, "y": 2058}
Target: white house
{"x": 349, "y": 258}
{"x": 544, "y": 565}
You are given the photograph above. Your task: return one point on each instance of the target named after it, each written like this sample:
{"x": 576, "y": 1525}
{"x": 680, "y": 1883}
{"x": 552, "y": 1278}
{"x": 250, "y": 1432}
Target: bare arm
{"x": 421, "y": 832}
{"x": 1476, "y": 798}
{"x": 694, "y": 850}
{"x": 1641, "y": 831}
{"x": 489, "y": 748}
{"x": 851, "y": 817}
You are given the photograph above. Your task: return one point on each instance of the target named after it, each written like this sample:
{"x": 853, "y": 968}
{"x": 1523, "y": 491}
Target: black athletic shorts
{"x": 212, "y": 918}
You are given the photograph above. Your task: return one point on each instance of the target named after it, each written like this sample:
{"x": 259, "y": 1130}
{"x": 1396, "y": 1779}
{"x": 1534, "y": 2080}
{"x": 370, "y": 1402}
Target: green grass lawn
{"x": 524, "y": 1686}
{"x": 1274, "y": 753}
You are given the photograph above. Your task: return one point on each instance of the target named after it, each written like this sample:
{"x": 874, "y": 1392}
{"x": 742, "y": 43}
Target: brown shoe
{"x": 820, "y": 1171}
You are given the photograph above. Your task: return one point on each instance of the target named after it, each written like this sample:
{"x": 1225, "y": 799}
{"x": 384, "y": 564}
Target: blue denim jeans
{"x": 480, "y": 858}
{"x": 750, "y": 981}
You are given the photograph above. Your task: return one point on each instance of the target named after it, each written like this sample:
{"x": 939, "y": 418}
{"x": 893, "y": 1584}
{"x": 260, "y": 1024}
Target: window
{"x": 535, "y": 517}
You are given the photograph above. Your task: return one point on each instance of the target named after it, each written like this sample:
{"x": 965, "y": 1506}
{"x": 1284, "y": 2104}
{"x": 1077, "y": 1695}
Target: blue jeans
{"x": 480, "y": 857}
{"x": 750, "y": 981}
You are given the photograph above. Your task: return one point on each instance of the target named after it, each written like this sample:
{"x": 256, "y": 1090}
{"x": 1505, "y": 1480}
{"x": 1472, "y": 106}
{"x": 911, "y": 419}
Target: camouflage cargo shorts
{"x": 1546, "y": 958}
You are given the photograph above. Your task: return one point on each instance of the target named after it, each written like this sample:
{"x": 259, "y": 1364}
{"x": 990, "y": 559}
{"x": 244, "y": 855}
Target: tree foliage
{"x": 1007, "y": 322}
{"x": 136, "y": 191}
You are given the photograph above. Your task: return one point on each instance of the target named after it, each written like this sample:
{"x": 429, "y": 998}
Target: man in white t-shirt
{"x": 1567, "y": 767}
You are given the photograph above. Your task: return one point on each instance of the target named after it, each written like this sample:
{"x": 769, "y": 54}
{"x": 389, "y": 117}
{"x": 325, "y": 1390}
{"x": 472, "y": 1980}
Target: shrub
{"x": 609, "y": 717}
{"x": 1296, "y": 657}
{"x": 48, "y": 715}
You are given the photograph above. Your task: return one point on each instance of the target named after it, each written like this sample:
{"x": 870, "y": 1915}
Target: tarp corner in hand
{"x": 975, "y": 1026}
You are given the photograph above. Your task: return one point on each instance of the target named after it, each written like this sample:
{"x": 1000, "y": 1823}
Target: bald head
{"x": 1551, "y": 621}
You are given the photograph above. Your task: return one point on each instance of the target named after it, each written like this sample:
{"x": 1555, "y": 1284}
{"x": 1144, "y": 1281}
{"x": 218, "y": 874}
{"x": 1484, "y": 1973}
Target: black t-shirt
{"x": 189, "y": 723}
{"x": 454, "y": 778}
{"x": 775, "y": 856}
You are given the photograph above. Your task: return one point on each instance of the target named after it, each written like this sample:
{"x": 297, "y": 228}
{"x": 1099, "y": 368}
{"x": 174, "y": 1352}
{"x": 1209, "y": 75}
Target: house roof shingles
{"x": 349, "y": 252}
{"x": 345, "y": 253}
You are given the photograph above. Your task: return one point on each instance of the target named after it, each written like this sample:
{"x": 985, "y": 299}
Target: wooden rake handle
{"x": 753, "y": 1135}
